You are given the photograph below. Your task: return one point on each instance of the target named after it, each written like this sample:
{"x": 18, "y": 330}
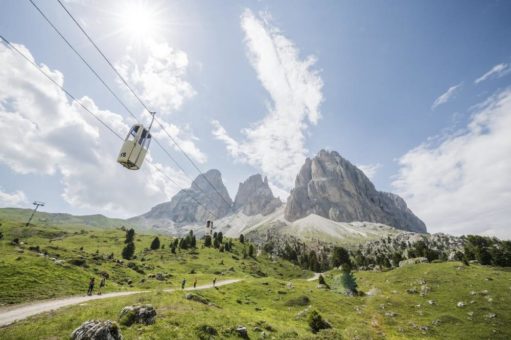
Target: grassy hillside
{"x": 276, "y": 308}
{"x": 52, "y": 261}
{"x": 68, "y": 221}
{"x": 273, "y": 300}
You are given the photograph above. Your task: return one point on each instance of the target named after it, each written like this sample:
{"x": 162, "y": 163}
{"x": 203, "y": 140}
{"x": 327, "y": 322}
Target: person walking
{"x": 183, "y": 283}
{"x": 195, "y": 283}
{"x": 102, "y": 284}
{"x": 91, "y": 286}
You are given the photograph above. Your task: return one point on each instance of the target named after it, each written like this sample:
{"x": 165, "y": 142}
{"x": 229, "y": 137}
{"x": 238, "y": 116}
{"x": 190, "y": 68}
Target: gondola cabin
{"x": 135, "y": 147}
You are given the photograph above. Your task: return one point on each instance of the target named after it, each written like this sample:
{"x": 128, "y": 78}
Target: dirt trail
{"x": 315, "y": 277}
{"x": 14, "y": 313}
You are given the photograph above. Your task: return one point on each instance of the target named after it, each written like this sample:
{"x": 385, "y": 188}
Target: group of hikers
{"x": 183, "y": 283}
{"x": 92, "y": 282}
{"x": 102, "y": 284}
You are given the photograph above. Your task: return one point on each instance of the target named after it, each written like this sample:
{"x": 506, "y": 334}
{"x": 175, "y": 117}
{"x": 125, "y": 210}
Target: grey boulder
{"x": 97, "y": 330}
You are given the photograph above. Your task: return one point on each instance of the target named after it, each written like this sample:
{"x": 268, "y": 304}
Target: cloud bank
{"x": 157, "y": 76}
{"x": 47, "y": 134}
{"x": 17, "y": 199}
{"x": 369, "y": 169}
{"x": 276, "y": 144}
{"x": 462, "y": 185}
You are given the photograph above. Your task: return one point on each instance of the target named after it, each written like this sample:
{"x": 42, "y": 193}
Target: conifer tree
{"x": 128, "y": 251}
{"x": 130, "y": 236}
{"x": 207, "y": 241}
{"x": 155, "y": 244}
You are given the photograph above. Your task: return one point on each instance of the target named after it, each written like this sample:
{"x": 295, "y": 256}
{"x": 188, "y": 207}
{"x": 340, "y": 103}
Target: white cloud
{"x": 369, "y": 169}
{"x": 462, "y": 185}
{"x": 279, "y": 192}
{"x": 17, "y": 199}
{"x": 44, "y": 133}
{"x": 275, "y": 144}
{"x": 446, "y": 96}
{"x": 183, "y": 137}
{"x": 496, "y": 71}
{"x": 157, "y": 75}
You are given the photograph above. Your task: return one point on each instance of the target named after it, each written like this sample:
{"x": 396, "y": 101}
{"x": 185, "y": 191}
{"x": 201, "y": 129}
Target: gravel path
{"x": 15, "y": 313}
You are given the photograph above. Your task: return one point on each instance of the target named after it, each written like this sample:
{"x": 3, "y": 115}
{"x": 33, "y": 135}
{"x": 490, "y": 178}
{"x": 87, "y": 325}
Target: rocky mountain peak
{"x": 255, "y": 197}
{"x": 330, "y": 186}
{"x": 184, "y": 208}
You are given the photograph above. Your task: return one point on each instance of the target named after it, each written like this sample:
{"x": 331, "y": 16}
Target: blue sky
{"x": 416, "y": 93}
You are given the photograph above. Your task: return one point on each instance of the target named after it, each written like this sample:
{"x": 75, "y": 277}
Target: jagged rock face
{"x": 184, "y": 207}
{"x": 255, "y": 197}
{"x": 332, "y": 187}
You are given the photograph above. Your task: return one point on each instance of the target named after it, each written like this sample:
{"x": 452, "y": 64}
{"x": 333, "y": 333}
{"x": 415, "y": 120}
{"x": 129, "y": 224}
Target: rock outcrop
{"x": 330, "y": 186}
{"x": 143, "y": 314}
{"x": 192, "y": 205}
{"x": 255, "y": 197}
{"x": 97, "y": 330}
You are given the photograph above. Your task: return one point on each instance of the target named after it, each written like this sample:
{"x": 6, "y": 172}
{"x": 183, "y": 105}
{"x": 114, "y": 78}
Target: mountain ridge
{"x": 330, "y": 186}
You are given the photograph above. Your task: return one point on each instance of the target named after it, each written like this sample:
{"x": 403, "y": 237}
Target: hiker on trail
{"x": 91, "y": 286}
{"x": 195, "y": 283}
{"x": 183, "y": 283}
{"x": 102, "y": 284}
{"x": 214, "y": 282}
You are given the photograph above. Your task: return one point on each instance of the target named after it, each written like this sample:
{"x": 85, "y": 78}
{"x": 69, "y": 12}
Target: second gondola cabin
{"x": 135, "y": 147}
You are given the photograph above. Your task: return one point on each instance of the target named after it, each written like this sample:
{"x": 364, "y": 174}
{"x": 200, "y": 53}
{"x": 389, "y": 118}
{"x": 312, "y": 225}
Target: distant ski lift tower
{"x": 209, "y": 228}
{"x": 37, "y": 205}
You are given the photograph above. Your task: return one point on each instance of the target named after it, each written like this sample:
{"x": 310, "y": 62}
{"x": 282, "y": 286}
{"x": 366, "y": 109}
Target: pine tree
{"x": 155, "y": 244}
{"x": 220, "y": 237}
{"x": 242, "y": 238}
{"x": 313, "y": 262}
{"x": 128, "y": 251}
{"x": 216, "y": 243}
{"x": 251, "y": 250}
{"x": 130, "y": 236}
{"x": 207, "y": 241}
{"x": 349, "y": 282}
{"x": 340, "y": 256}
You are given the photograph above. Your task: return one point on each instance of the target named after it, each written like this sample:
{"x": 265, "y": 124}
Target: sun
{"x": 139, "y": 21}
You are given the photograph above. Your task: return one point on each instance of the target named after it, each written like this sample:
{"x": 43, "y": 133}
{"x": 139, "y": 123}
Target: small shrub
{"x": 204, "y": 332}
{"x": 78, "y": 262}
{"x": 299, "y": 301}
{"x": 321, "y": 280}
{"x": 317, "y": 323}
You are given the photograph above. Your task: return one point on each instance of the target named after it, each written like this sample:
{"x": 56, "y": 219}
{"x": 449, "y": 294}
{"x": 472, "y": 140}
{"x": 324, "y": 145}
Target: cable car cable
{"x": 60, "y": 86}
{"x": 94, "y": 115}
{"x": 111, "y": 90}
{"x": 140, "y": 100}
